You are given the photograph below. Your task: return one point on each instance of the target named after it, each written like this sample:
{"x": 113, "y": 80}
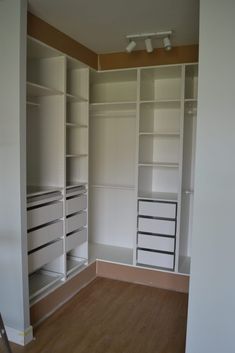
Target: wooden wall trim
{"x": 139, "y": 58}
{"x": 48, "y": 305}
{"x": 148, "y": 277}
{"x": 51, "y": 36}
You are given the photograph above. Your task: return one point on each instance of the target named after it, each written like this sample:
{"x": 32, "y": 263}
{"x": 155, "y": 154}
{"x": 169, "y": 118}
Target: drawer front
{"x": 45, "y": 255}
{"x": 75, "y": 222}
{"x": 156, "y": 243}
{"x": 75, "y": 239}
{"x": 45, "y": 214}
{"x": 44, "y": 235}
{"x": 156, "y": 226}
{"x": 76, "y": 204}
{"x": 157, "y": 209}
{"x": 155, "y": 259}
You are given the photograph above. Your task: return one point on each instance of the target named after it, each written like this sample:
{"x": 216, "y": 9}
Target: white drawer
{"x": 157, "y": 209}
{"x": 44, "y": 214}
{"x": 156, "y": 243}
{"x": 156, "y": 226}
{"x": 76, "y": 204}
{"x": 45, "y": 255}
{"x": 44, "y": 235}
{"x": 75, "y": 239}
{"x": 75, "y": 222}
{"x": 155, "y": 259}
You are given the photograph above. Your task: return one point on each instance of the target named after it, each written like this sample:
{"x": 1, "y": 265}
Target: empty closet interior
{"x": 110, "y": 166}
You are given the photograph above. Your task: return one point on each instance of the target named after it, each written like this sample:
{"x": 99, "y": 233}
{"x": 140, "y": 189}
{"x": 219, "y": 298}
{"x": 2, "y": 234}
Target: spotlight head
{"x": 131, "y": 45}
{"x": 167, "y": 43}
{"x": 148, "y": 45}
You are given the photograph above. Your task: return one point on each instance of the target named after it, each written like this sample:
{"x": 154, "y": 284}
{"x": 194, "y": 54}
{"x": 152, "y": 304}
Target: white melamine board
{"x": 112, "y": 217}
{"x": 35, "y": 90}
{"x": 76, "y": 170}
{"x": 112, "y": 151}
{"x": 156, "y": 259}
{"x": 80, "y": 251}
{"x": 47, "y": 72}
{"x": 155, "y": 242}
{"x": 44, "y": 235}
{"x": 184, "y": 264}
{"x": 157, "y": 209}
{"x": 191, "y": 81}
{"x": 77, "y": 82}
{"x": 76, "y": 204}
{"x": 77, "y": 141}
{"x": 110, "y": 253}
{"x": 157, "y": 196}
{"x": 76, "y": 221}
{"x": 74, "y": 64}
{"x": 45, "y": 143}
{"x": 74, "y": 263}
{"x": 76, "y": 239}
{"x": 34, "y": 191}
{"x": 160, "y": 83}
{"x": 77, "y": 113}
{"x": 158, "y": 179}
{"x": 156, "y": 226}
{"x": 39, "y": 50}
{"x": 114, "y": 86}
{"x": 44, "y": 214}
{"x": 44, "y": 255}
{"x": 159, "y": 149}
{"x": 160, "y": 117}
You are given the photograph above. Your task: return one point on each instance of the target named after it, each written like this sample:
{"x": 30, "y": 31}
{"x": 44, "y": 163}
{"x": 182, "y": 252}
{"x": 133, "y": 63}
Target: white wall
{"x": 211, "y": 322}
{"x": 13, "y": 256}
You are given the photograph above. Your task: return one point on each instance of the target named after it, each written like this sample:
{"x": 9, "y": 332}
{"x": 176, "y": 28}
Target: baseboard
{"x": 49, "y": 304}
{"x": 19, "y": 337}
{"x": 149, "y": 277}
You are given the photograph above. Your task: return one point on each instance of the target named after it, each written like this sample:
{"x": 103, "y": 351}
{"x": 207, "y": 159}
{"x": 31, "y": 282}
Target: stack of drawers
{"x": 76, "y": 218}
{"x": 156, "y": 233}
{"x": 45, "y": 229}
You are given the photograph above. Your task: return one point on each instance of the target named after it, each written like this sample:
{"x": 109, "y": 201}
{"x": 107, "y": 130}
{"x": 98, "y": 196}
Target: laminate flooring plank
{"x": 110, "y": 316}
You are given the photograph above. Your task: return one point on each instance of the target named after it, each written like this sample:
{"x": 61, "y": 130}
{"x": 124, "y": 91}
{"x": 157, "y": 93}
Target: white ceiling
{"x": 102, "y": 25}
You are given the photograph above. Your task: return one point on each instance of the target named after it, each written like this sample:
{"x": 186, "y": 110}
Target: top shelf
{"x": 72, "y": 98}
{"x": 36, "y": 90}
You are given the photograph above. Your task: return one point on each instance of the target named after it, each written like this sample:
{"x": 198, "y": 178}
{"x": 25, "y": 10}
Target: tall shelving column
{"x": 77, "y": 163}
{"x": 113, "y": 101}
{"x": 45, "y": 167}
{"x": 159, "y": 166}
{"x": 189, "y": 142}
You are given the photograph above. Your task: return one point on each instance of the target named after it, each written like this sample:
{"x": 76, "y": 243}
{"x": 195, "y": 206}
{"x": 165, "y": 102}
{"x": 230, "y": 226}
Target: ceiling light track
{"x": 147, "y": 37}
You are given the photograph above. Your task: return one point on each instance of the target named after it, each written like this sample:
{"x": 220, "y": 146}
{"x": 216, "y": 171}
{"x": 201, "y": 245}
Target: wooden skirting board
{"x": 149, "y": 277}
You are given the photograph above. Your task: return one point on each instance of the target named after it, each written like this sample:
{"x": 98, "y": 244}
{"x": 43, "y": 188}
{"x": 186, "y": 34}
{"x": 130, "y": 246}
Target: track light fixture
{"x": 167, "y": 43}
{"x": 148, "y": 45}
{"x": 147, "y": 37}
{"x": 131, "y": 45}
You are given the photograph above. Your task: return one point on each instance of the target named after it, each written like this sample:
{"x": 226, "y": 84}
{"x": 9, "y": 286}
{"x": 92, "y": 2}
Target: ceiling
{"x": 102, "y": 25}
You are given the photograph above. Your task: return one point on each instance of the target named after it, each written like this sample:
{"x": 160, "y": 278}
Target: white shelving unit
{"x": 113, "y": 110}
{"x": 57, "y": 167}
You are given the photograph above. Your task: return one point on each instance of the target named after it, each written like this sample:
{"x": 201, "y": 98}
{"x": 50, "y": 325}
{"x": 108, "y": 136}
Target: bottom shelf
{"x": 74, "y": 263}
{"x": 110, "y": 253}
{"x": 41, "y": 282}
{"x": 184, "y": 264}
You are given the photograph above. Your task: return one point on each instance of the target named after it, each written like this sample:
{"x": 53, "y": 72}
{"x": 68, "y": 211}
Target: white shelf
{"x": 75, "y": 125}
{"x": 76, "y": 155}
{"x": 161, "y": 133}
{"x": 42, "y": 281}
{"x": 36, "y": 90}
{"x": 193, "y": 100}
{"x": 113, "y": 109}
{"x": 72, "y": 185}
{"x": 110, "y": 253}
{"x": 32, "y": 104}
{"x": 158, "y": 196}
{"x": 160, "y": 101}
{"x": 159, "y": 165}
{"x": 74, "y": 264}
{"x": 72, "y": 98}
{"x": 33, "y": 190}
{"x": 119, "y": 187}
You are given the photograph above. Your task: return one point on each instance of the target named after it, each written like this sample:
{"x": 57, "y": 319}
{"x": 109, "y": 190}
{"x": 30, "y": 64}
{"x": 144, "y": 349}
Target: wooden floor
{"x": 114, "y": 317}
